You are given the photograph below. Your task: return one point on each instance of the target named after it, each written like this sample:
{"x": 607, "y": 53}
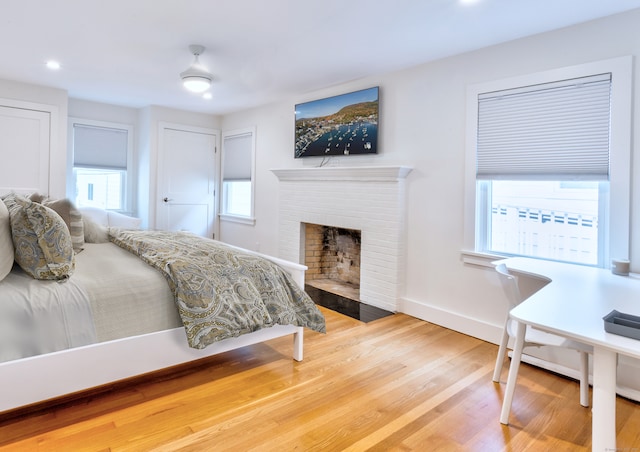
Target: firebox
{"x": 332, "y": 256}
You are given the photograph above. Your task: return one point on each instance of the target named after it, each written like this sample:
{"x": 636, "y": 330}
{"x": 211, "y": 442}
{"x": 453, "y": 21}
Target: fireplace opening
{"x": 332, "y": 279}
{"x": 332, "y": 256}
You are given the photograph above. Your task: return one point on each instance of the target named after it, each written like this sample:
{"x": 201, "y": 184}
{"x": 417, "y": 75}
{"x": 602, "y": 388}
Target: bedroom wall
{"x": 422, "y": 124}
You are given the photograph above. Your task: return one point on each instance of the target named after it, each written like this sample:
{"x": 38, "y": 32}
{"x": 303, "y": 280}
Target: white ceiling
{"x": 130, "y": 52}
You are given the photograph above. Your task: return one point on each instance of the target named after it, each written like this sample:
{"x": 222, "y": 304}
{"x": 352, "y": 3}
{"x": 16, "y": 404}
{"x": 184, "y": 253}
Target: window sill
{"x": 236, "y": 219}
{"x": 480, "y": 259}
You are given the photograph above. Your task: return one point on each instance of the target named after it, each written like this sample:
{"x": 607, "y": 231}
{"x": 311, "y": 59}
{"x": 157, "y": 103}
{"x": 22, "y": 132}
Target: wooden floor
{"x": 397, "y": 383}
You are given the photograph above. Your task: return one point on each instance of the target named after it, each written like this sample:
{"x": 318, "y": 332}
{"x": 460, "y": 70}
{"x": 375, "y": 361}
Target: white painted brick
{"x": 377, "y": 208}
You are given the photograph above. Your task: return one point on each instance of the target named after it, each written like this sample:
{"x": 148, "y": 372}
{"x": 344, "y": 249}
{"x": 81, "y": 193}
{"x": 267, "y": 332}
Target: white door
{"x": 24, "y": 150}
{"x": 186, "y": 179}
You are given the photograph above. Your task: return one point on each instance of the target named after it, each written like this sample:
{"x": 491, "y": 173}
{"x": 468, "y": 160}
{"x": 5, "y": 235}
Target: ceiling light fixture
{"x": 196, "y": 79}
{"x": 54, "y": 65}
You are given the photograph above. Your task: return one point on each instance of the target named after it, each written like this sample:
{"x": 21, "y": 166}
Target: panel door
{"x": 187, "y": 180}
{"x": 24, "y": 150}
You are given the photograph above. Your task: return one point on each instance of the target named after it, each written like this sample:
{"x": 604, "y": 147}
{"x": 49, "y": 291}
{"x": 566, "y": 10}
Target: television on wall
{"x": 340, "y": 125}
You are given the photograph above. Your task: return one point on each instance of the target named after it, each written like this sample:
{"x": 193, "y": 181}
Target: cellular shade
{"x": 554, "y": 131}
{"x": 237, "y": 157}
{"x": 99, "y": 147}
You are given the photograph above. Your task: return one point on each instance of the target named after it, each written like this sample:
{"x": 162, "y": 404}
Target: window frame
{"x": 224, "y": 215}
{"x": 127, "y": 196}
{"x": 616, "y": 225}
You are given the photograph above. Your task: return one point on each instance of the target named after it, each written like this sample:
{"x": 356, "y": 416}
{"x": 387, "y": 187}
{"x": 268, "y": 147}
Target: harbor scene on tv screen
{"x": 341, "y": 125}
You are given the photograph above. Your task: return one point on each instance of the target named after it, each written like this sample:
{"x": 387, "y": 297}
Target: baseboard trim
{"x": 452, "y": 320}
{"x": 627, "y": 367}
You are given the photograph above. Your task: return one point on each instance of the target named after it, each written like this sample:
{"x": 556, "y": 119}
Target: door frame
{"x": 162, "y": 126}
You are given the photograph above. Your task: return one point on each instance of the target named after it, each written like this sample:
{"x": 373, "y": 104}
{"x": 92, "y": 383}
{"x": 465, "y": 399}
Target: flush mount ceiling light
{"x": 196, "y": 79}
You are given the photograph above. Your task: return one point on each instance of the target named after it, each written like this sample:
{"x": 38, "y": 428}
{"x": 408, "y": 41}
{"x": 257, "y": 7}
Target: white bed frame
{"x": 36, "y": 379}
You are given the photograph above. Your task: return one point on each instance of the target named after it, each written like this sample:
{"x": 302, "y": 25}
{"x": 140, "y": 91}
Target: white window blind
{"x": 553, "y": 131}
{"x": 99, "y": 147}
{"x": 237, "y": 157}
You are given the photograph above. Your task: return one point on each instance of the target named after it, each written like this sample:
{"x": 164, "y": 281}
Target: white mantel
{"x": 363, "y": 173}
{"x": 370, "y": 199}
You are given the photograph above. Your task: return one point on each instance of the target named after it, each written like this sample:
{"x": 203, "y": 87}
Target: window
{"x": 101, "y": 160}
{"x": 547, "y": 165}
{"x": 238, "y": 153}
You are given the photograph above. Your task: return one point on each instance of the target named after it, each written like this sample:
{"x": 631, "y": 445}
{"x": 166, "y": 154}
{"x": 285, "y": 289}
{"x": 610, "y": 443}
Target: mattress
{"x": 112, "y": 294}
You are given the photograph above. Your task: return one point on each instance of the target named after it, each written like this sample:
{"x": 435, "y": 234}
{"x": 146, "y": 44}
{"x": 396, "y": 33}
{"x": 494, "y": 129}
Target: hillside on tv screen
{"x": 340, "y": 125}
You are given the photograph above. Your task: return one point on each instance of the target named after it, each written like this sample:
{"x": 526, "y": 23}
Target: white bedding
{"x": 128, "y": 297}
{"x": 39, "y": 317}
{"x": 111, "y": 295}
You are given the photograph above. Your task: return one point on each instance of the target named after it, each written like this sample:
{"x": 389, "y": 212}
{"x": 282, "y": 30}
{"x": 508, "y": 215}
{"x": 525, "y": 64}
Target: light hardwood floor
{"x": 398, "y": 383}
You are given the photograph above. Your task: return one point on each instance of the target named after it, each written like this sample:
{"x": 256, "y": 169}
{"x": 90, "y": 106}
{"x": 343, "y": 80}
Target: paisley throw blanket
{"x": 221, "y": 292}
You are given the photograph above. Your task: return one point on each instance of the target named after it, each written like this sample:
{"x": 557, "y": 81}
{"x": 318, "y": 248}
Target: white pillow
{"x": 109, "y": 218}
{"x": 118, "y": 220}
{"x": 98, "y": 216}
{"x": 6, "y": 242}
{"x": 94, "y": 232}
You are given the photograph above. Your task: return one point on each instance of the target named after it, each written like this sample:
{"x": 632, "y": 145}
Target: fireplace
{"x": 332, "y": 256}
{"x": 366, "y": 199}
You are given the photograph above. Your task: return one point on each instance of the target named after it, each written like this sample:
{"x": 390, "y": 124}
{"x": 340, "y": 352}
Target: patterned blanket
{"x": 221, "y": 292}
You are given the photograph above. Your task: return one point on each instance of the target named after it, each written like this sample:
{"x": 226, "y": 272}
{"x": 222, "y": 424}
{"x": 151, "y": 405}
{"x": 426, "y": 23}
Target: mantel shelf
{"x": 356, "y": 173}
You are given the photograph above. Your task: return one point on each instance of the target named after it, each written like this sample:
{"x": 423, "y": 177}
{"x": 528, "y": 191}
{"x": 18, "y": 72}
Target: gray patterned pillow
{"x": 42, "y": 242}
{"x": 71, "y": 216}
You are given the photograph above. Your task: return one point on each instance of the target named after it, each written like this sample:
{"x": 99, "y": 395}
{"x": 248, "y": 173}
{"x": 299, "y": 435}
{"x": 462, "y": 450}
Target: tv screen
{"x": 340, "y": 125}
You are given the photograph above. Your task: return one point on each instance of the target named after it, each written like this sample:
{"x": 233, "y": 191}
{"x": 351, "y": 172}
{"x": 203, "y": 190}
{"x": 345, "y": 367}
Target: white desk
{"x": 573, "y": 305}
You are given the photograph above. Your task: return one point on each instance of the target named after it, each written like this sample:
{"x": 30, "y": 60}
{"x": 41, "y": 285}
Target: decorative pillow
{"x": 94, "y": 232}
{"x": 110, "y": 218}
{"x": 41, "y": 239}
{"x": 37, "y": 197}
{"x": 95, "y": 214}
{"x": 71, "y": 216}
{"x": 6, "y": 242}
{"x": 118, "y": 220}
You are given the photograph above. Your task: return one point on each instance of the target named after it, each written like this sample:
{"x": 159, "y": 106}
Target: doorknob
{"x": 166, "y": 199}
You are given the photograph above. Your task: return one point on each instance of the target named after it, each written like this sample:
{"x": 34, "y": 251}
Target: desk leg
{"x": 603, "y": 428}
{"x": 521, "y": 329}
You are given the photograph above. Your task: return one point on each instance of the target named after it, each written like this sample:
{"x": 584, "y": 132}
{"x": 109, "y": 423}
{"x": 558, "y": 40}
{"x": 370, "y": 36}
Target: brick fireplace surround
{"x": 368, "y": 199}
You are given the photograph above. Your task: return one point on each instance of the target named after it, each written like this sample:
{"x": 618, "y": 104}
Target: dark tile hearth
{"x": 346, "y": 306}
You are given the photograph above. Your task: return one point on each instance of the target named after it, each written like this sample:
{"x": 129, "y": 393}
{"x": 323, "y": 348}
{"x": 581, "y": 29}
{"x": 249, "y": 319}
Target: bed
{"x": 123, "y": 303}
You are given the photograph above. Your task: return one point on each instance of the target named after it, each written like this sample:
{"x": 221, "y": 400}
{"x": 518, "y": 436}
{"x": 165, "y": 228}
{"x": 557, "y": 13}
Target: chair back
{"x": 509, "y": 285}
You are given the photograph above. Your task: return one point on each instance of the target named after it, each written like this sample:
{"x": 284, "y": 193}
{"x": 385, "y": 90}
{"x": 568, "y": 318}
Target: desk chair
{"x": 527, "y": 336}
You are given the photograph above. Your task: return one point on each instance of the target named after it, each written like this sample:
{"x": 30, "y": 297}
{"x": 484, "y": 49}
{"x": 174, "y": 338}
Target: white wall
{"x": 422, "y": 124}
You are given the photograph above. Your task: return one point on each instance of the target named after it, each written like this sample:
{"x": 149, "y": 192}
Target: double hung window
{"x": 101, "y": 163}
{"x": 238, "y": 154}
{"x": 549, "y": 160}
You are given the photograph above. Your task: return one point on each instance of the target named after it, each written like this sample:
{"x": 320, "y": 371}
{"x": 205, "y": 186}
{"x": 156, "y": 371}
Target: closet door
{"x": 24, "y": 150}
{"x": 186, "y": 179}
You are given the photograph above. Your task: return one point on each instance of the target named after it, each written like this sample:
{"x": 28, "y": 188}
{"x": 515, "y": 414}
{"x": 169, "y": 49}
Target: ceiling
{"x": 130, "y": 52}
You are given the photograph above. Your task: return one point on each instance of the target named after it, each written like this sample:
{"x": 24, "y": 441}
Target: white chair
{"x": 527, "y": 336}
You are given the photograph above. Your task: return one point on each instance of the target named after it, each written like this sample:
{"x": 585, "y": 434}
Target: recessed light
{"x": 207, "y": 96}
{"x": 53, "y": 65}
